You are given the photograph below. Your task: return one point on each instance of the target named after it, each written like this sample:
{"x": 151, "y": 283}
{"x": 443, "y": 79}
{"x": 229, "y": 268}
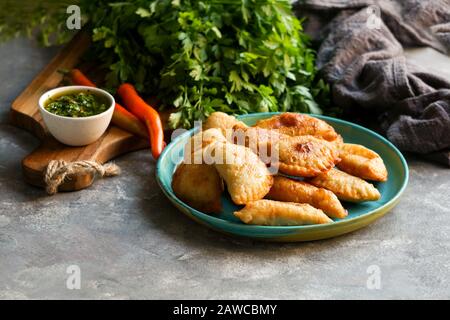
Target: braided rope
{"x": 58, "y": 170}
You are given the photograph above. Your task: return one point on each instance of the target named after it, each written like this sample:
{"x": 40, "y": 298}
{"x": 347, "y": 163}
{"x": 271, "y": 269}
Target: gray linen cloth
{"x": 361, "y": 56}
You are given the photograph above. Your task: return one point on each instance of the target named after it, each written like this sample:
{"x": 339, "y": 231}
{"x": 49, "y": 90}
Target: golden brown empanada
{"x": 362, "y": 162}
{"x": 346, "y": 187}
{"x": 222, "y": 121}
{"x": 338, "y": 142}
{"x": 305, "y": 156}
{"x": 246, "y": 176}
{"x": 275, "y": 213}
{"x": 289, "y": 190}
{"x": 199, "y": 185}
{"x": 297, "y": 124}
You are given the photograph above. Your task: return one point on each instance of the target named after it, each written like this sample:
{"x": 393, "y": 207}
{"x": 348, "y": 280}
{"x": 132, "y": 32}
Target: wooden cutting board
{"x": 25, "y": 114}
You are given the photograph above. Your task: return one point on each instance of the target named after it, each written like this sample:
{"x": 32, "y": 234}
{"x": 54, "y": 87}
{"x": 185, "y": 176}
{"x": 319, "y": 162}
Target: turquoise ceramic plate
{"x": 359, "y": 216}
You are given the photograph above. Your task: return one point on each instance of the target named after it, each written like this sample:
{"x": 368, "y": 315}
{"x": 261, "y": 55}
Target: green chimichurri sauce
{"x": 76, "y": 105}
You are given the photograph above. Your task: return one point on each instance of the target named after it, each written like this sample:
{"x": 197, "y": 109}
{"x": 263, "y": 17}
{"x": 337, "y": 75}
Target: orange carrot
{"x": 126, "y": 120}
{"x": 121, "y": 116}
{"x": 145, "y": 113}
{"x": 80, "y": 79}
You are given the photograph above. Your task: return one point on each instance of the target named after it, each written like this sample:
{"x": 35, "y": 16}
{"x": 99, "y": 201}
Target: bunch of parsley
{"x": 235, "y": 56}
{"x": 42, "y": 19}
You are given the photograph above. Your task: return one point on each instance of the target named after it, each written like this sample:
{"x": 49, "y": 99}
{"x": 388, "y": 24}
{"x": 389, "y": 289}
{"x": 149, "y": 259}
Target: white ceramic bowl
{"x": 76, "y": 131}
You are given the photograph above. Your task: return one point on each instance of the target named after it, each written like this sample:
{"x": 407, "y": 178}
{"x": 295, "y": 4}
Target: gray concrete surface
{"x": 129, "y": 241}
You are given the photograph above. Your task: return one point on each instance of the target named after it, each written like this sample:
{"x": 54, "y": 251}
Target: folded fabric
{"x": 361, "y": 55}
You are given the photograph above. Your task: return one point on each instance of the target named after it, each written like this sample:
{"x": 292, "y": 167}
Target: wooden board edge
{"x": 75, "y": 183}
{"x": 66, "y": 58}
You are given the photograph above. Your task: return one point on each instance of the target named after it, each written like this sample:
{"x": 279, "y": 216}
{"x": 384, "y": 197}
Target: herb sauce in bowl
{"x": 76, "y": 104}
{"x": 76, "y": 115}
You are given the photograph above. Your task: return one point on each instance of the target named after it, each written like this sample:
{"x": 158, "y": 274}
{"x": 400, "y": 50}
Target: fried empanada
{"x": 305, "y": 156}
{"x": 289, "y": 190}
{"x": 222, "y": 121}
{"x": 275, "y": 213}
{"x": 246, "y": 176}
{"x": 297, "y": 124}
{"x": 199, "y": 185}
{"x": 338, "y": 142}
{"x": 346, "y": 187}
{"x": 362, "y": 162}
